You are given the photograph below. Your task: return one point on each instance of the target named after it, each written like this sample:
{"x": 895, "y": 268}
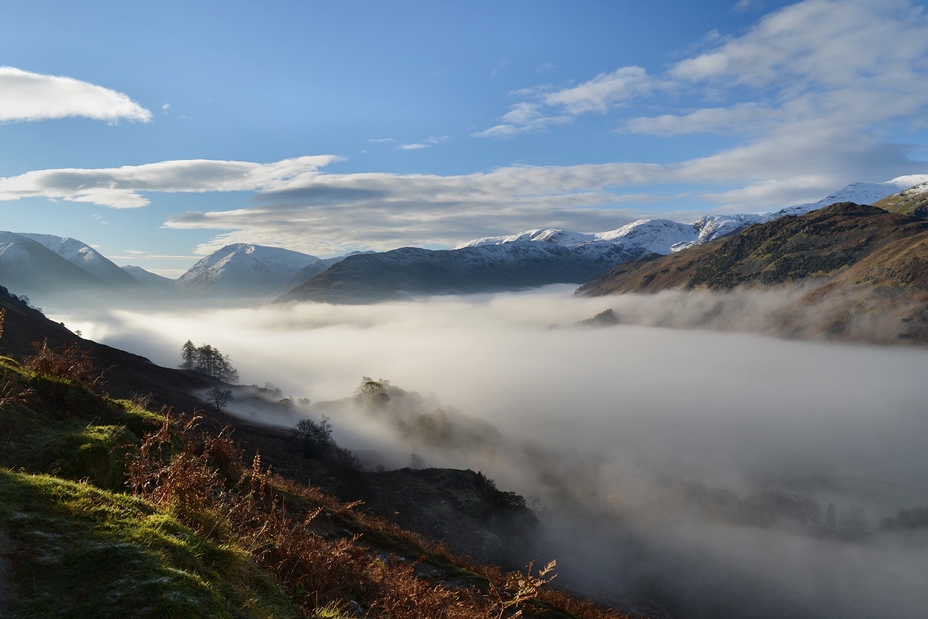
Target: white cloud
{"x": 521, "y": 118}
{"x": 819, "y": 89}
{"x": 814, "y": 92}
{"x": 123, "y": 187}
{"x": 741, "y": 118}
{"x": 603, "y": 91}
{"x": 26, "y": 96}
{"x": 432, "y": 141}
{"x": 743, "y": 6}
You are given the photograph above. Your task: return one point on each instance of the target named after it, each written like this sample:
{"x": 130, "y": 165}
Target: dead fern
{"x": 298, "y": 533}
{"x": 71, "y": 364}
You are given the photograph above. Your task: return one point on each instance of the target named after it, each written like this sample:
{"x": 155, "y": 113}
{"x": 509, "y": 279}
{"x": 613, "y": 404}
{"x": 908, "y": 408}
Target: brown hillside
{"x": 864, "y": 244}
{"x": 866, "y": 271}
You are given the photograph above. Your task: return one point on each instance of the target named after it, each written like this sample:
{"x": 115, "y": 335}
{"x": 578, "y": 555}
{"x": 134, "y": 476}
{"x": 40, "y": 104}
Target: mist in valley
{"x": 694, "y": 468}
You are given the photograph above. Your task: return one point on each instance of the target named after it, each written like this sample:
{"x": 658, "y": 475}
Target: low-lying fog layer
{"x": 626, "y": 419}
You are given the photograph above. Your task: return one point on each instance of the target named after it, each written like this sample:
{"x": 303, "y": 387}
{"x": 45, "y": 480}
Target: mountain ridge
{"x": 861, "y": 263}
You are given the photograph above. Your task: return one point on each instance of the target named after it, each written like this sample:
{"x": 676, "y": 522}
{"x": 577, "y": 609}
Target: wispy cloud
{"x": 123, "y": 187}
{"x": 521, "y": 118}
{"x": 604, "y": 91}
{"x": 26, "y": 96}
{"x": 430, "y": 142}
{"x": 820, "y": 88}
{"x": 813, "y": 92}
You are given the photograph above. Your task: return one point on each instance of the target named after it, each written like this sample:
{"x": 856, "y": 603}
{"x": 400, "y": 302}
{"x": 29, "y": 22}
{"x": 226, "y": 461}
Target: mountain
{"x": 86, "y": 257}
{"x": 410, "y": 271}
{"x": 312, "y": 270}
{"x": 663, "y": 236}
{"x": 149, "y": 279}
{"x": 861, "y": 264}
{"x": 27, "y": 266}
{"x": 536, "y": 257}
{"x": 242, "y": 269}
{"x": 912, "y": 201}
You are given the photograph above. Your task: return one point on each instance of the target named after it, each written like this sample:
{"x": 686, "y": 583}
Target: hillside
{"x": 109, "y": 510}
{"x": 409, "y": 271}
{"x": 857, "y": 260}
{"x": 87, "y": 258}
{"x": 912, "y": 201}
{"x": 31, "y": 268}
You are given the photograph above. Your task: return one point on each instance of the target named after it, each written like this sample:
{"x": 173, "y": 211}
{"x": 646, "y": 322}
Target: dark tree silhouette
{"x": 189, "y": 354}
{"x": 218, "y": 397}
{"x": 208, "y": 360}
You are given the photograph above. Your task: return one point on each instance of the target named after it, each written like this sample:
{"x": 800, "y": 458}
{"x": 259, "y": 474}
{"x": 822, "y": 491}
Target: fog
{"x": 626, "y": 434}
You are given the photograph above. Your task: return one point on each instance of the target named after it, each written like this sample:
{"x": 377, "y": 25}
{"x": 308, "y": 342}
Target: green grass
{"x": 84, "y": 552}
{"x": 84, "y": 548}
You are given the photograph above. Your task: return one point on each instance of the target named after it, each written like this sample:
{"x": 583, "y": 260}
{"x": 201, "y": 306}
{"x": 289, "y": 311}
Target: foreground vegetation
{"x": 110, "y": 510}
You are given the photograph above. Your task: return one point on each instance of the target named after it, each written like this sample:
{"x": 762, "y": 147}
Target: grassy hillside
{"x": 110, "y": 510}
{"x": 913, "y": 201}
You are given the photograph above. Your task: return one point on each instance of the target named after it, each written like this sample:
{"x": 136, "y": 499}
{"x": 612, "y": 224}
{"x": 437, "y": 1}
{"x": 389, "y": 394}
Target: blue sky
{"x": 160, "y": 131}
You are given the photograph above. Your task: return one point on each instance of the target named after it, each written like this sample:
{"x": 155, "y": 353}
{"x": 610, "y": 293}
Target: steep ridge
{"x": 857, "y": 260}
{"x": 242, "y": 269}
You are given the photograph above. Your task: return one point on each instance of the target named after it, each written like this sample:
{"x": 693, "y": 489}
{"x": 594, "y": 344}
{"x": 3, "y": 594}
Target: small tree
{"x": 315, "y": 437}
{"x": 218, "y": 397}
{"x": 189, "y": 354}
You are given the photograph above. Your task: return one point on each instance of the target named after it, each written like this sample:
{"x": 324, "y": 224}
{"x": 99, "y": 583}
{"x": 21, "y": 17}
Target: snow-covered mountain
{"x": 663, "y": 236}
{"x": 242, "y": 269}
{"x": 86, "y": 257}
{"x": 149, "y": 279}
{"x": 400, "y": 273}
{"x": 543, "y": 256}
{"x": 29, "y": 267}
{"x": 312, "y": 270}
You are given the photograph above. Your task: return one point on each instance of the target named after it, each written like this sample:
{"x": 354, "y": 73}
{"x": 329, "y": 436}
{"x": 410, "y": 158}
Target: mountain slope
{"x": 860, "y": 262}
{"x": 242, "y": 269}
{"x": 86, "y": 257}
{"x": 29, "y": 267}
{"x": 912, "y": 201}
{"x": 149, "y": 279}
{"x": 410, "y": 271}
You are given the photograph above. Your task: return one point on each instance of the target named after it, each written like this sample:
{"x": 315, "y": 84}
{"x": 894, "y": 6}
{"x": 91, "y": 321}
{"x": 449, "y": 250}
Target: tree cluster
{"x": 316, "y": 441}
{"x": 208, "y": 360}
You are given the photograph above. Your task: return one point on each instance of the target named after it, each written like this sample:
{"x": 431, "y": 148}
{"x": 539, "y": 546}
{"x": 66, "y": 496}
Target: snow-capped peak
{"x": 663, "y": 236}
{"x": 83, "y": 255}
{"x": 243, "y": 268}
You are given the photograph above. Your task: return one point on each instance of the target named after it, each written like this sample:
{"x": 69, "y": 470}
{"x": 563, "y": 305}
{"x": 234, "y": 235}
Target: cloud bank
{"x": 26, "y": 96}
{"x": 637, "y": 441}
{"x": 124, "y": 187}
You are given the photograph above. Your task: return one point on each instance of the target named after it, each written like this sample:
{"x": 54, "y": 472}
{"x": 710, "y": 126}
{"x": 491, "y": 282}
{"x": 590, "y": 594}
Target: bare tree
{"x": 218, "y": 397}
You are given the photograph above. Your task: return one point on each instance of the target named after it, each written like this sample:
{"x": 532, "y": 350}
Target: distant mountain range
{"x": 544, "y": 256}
{"x": 41, "y": 263}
